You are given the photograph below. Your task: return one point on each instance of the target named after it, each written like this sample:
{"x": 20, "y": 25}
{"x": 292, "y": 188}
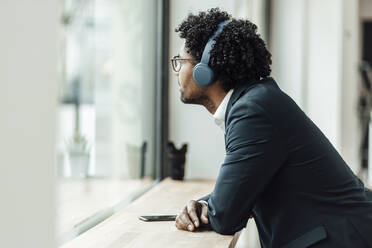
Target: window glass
{"x": 107, "y": 108}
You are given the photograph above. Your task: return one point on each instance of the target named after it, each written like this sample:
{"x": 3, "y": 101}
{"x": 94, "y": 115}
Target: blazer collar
{"x": 240, "y": 89}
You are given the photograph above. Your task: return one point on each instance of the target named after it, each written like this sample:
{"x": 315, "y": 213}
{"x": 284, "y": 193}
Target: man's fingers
{"x": 186, "y": 222}
{"x": 192, "y": 211}
{"x": 190, "y": 217}
{"x": 204, "y": 214}
{"x": 183, "y": 221}
{"x": 177, "y": 223}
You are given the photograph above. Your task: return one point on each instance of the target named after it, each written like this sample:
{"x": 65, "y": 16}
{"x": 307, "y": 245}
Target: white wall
{"x": 324, "y": 67}
{"x": 28, "y": 96}
{"x": 288, "y": 47}
{"x": 315, "y": 54}
{"x": 350, "y": 127}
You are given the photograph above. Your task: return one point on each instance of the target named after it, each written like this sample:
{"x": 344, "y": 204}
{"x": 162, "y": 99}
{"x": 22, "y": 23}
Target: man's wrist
{"x": 203, "y": 202}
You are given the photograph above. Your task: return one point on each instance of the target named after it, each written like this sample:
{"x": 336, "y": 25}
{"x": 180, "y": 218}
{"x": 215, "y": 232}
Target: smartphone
{"x": 158, "y": 218}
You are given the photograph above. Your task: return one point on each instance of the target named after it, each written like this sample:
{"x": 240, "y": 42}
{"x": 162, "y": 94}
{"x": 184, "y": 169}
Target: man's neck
{"x": 215, "y": 96}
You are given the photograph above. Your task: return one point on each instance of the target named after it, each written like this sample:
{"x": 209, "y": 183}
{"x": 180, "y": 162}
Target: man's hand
{"x": 191, "y": 215}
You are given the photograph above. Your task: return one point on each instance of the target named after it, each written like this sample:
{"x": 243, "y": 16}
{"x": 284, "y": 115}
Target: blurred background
{"x": 88, "y": 101}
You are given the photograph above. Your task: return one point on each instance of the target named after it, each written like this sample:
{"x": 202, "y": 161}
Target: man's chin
{"x": 188, "y": 100}
{"x": 183, "y": 98}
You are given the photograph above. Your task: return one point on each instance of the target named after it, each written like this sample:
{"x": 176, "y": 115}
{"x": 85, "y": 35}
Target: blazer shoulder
{"x": 263, "y": 100}
{"x": 261, "y": 93}
{"x": 249, "y": 114}
{"x": 265, "y": 94}
{"x": 255, "y": 98}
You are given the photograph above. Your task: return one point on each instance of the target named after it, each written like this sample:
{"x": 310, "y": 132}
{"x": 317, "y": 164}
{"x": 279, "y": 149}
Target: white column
{"x": 350, "y": 127}
{"x": 28, "y": 100}
{"x": 288, "y": 45}
{"x": 324, "y": 67}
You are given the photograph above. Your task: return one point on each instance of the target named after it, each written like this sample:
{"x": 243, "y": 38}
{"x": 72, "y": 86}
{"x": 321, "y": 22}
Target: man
{"x": 279, "y": 167}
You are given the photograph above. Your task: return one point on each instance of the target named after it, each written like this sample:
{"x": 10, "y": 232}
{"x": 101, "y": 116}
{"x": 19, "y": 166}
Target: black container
{"x": 176, "y": 161}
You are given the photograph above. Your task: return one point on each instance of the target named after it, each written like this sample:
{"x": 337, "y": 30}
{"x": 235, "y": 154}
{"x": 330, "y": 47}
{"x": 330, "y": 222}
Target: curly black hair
{"x": 239, "y": 54}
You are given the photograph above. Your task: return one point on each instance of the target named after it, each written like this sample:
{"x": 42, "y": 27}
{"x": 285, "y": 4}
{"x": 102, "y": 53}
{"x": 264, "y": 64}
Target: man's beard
{"x": 200, "y": 99}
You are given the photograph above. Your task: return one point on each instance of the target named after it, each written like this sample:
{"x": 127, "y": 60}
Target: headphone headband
{"x": 202, "y": 73}
{"x": 208, "y": 47}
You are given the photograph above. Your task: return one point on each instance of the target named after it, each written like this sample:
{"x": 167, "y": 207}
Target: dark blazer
{"x": 281, "y": 170}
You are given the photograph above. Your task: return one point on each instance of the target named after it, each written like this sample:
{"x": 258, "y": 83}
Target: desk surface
{"x": 124, "y": 229}
{"x": 79, "y": 200}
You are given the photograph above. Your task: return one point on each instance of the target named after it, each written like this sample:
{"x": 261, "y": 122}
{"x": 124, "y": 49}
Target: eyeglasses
{"x": 176, "y": 63}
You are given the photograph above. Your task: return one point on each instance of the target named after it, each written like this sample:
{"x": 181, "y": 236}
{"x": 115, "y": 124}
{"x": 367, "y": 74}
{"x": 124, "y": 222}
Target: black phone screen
{"x": 158, "y": 218}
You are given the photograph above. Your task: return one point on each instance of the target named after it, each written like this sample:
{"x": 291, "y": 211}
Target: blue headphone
{"x": 202, "y": 73}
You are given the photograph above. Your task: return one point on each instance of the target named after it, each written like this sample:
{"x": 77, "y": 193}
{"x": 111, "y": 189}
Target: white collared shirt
{"x": 219, "y": 115}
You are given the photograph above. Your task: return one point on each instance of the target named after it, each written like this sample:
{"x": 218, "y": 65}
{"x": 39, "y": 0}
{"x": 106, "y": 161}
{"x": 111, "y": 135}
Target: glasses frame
{"x": 177, "y": 58}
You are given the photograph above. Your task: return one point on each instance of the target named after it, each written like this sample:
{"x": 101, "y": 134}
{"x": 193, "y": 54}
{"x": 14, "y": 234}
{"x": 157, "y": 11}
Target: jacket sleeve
{"x": 204, "y": 198}
{"x": 254, "y": 153}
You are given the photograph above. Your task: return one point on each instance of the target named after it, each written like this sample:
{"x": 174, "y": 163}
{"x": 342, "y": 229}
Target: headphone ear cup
{"x": 203, "y": 75}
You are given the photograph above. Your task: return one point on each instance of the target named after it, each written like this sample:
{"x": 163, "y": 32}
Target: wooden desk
{"x": 79, "y": 200}
{"x": 124, "y": 229}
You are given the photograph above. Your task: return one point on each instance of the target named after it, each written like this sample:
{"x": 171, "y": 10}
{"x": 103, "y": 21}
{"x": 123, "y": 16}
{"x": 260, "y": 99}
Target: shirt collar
{"x": 219, "y": 115}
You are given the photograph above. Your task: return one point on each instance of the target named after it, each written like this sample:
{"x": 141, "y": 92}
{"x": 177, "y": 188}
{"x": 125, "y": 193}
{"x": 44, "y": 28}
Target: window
{"x": 106, "y": 152}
